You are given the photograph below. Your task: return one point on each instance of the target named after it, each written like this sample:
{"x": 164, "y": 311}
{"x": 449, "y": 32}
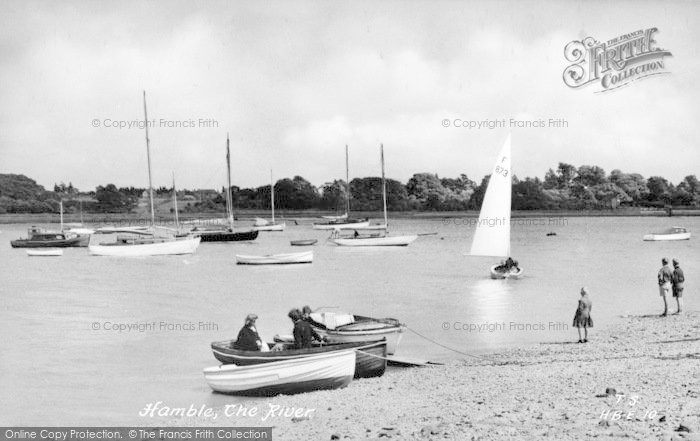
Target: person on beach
{"x": 664, "y": 278}
{"x": 678, "y": 279}
{"x": 303, "y": 332}
{"x": 582, "y": 318}
{"x": 248, "y": 338}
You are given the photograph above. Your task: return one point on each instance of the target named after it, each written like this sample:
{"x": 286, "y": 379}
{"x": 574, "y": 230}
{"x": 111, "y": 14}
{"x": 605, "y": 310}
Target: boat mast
{"x": 272, "y": 197}
{"x": 229, "y": 197}
{"x": 386, "y": 224}
{"x": 347, "y": 184}
{"x": 177, "y": 221}
{"x": 60, "y": 203}
{"x": 148, "y": 153}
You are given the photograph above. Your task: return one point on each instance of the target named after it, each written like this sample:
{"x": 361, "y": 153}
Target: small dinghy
{"x": 276, "y": 259}
{"x": 371, "y": 358}
{"x": 47, "y": 252}
{"x": 303, "y": 242}
{"x": 675, "y": 233}
{"x": 328, "y": 370}
{"x": 512, "y": 273}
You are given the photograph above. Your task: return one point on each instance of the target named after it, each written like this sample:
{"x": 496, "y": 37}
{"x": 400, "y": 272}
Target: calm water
{"x": 60, "y": 371}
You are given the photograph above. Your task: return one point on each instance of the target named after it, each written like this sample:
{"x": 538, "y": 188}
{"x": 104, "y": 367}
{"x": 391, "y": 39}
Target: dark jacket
{"x": 678, "y": 277}
{"x": 304, "y": 334}
{"x": 247, "y": 340}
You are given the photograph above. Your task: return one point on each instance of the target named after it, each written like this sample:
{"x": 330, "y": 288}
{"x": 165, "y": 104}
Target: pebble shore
{"x": 637, "y": 379}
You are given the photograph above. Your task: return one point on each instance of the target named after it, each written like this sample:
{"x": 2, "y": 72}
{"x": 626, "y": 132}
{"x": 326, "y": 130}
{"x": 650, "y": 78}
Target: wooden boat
{"x": 264, "y": 225}
{"x": 492, "y": 235}
{"x": 370, "y": 360}
{"x": 499, "y": 274}
{"x": 303, "y": 242}
{"x": 342, "y": 222}
{"x": 328, "y": 370}
{"x": 38, "y": 238}
{"x": 346, "y": 328}
{"x": 674, "y": 233}
{"x": 276, "y": 259}
{"x": 145, "y": 245}
{"x": 44, "y": 252}
{"x": 223, "y": 234}
{"x": 376, "y": 239}
{"x": 144, "y": 241}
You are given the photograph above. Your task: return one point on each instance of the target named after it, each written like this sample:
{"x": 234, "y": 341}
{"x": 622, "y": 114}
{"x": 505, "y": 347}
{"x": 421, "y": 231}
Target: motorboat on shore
{"x": 673, "y": 233}
{"x": 370, "y": 360}
{"x": 327, "y": 370}
{"x": 276, "y": 259}
{"x": 339, "y": 327}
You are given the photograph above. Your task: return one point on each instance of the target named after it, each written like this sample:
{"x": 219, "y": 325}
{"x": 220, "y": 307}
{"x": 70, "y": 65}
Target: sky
{"x": 293, "y": 82}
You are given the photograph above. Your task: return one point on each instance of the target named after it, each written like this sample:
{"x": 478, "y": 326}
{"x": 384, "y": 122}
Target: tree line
{"x": 566, "y": 188}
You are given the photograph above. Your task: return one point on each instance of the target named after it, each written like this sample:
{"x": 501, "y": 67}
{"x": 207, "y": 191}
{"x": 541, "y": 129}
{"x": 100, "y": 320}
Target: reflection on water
{"x": 53, "y": 359}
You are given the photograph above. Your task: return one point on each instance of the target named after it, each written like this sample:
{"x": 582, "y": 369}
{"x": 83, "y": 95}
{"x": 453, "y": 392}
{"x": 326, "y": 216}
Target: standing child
{"x": 583, "y": 319}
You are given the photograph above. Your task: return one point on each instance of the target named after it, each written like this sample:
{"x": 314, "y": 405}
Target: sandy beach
{"x": 560, "y": 391}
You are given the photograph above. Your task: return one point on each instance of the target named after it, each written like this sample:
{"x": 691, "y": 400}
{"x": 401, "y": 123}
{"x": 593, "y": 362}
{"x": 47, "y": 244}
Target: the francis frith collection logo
{"x": 616, "y": 62}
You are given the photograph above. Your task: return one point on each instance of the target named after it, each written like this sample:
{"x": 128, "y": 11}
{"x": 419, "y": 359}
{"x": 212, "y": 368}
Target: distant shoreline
{"x": 312, "y": 215}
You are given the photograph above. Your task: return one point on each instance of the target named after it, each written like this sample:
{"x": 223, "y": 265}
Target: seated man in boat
{"x": 248, "y": 338}
{"x": 304, "y": 334}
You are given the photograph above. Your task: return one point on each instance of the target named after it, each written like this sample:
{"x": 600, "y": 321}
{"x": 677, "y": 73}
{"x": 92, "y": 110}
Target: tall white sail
{"x": 492, "y": 235}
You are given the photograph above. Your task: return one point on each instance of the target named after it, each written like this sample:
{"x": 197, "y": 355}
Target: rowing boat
{"x": 328, "y": 370}
{"x": 44, "y": 252}
{"x": 370, "y": 360}
{"x": 276, "y": 259}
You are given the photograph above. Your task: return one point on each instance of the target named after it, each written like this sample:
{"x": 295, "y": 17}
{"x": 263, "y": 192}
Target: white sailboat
{"x": 264, "y": 225}
{"x": 492, "y": 235}
{"x": 135, "y": 242}
{"x": 342, "y": 222}
{"x": 374, "y": 239}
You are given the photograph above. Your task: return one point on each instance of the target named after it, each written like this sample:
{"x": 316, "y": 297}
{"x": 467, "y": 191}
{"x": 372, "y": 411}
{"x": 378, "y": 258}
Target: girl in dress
{"x": 583, "y": 319}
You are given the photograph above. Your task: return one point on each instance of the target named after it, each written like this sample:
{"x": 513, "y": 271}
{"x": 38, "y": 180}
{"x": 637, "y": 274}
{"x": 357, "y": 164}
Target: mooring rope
{"x": 453, "y": 349}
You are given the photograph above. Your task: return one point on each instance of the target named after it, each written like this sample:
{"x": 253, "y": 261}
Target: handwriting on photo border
{"x": 153, "y": 326}
{"x": 503, "y": 123}
{"x": 497, "y": 222}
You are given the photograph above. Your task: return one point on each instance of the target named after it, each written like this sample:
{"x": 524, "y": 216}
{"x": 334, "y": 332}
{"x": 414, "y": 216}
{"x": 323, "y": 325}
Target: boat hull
{"x": 364, "y": 329}
{"x": 340, "y": 225}
{"x": 659, "y": 237}
{"x": 395, "y": 241}
{"x": 508, "y": 275}
{"x": 272, "y": 227}
{"x": 227, "y": 236}
{"x": 58, "y": 243}
{"x": 370, "y": 359}
{"x": 165, "y": 248}
{"x": 44, "y": 252}
{"x": 276, "y": 259}
{"x": 303, "y": 243}
{"x": 329, "y": 370}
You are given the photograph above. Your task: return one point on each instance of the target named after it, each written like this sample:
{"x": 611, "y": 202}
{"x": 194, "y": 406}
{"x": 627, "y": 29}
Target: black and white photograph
{"x": 349, "y": 220}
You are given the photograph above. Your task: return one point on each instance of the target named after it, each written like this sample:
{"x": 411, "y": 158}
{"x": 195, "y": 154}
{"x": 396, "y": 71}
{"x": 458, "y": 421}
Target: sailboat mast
{"x": 386, "y": 224}
{"x": 229, "y": 197}
{"x": 177, "y": 220}
{"x": 272, "y": 197}
{"x": 60, "y": 203}
{"x": 347, "y": 183}
{"x": 148, "y": 153}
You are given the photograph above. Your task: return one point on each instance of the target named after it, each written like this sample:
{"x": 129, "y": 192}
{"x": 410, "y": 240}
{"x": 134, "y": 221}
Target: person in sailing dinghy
{"x": 509, "y": 265}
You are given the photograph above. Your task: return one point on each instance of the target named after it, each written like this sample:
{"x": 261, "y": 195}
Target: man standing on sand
{"x": 664, "y": 277}
{"x": 678, "y": 279}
